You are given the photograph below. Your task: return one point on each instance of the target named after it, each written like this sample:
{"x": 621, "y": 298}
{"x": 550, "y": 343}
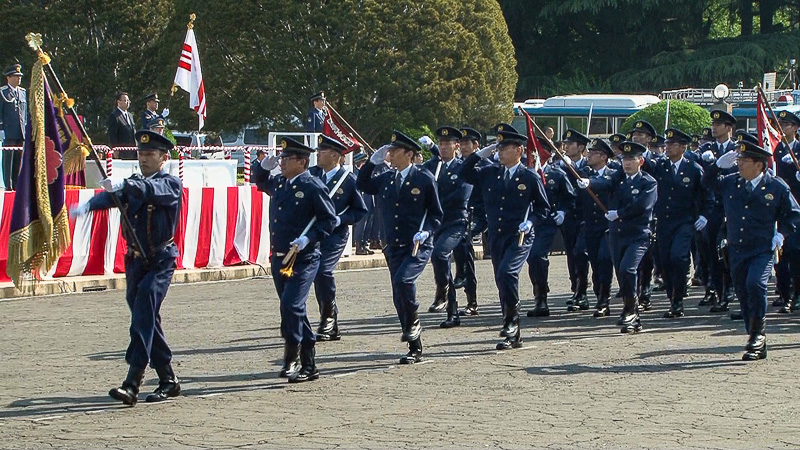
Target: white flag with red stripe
{"x": 190, "y": 77}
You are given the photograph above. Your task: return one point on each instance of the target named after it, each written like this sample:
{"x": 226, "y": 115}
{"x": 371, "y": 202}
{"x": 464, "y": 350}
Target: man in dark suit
{"x": 121, "y": 127}
{"x": 13, "y": 117}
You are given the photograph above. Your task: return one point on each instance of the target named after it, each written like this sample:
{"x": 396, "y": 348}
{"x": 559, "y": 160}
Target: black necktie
{"x": 398, "y": 181}
{"x": 674, "y": 168}
{"x": 749, "y": 187}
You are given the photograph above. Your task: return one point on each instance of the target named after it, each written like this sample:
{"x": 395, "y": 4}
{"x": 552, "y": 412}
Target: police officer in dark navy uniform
{"x": 630, "y": 212}
{"x": 561, "y": 196}
{"x": 615, "y": 142}
{"x": 683, "y": 205}
{"x": 454, "y": 194}
{"x": 761, "y": 212}
{"x": 350, "y": 208}
{"x": 362, "y": 228}
{"x": 297, "y": 199}
{"x": 152, "y": 202}
{"x": 411, "y": 213}
{"x": 13, "y": 118}
{"x": 316, "y": 115}
{"x": 515, "y": 199}
{"x": 464, "y": 253}
{"x": 787, "y": 271}
{"x": 150, "y": 112}
{"x": 591, "y": 246}
{"x": 722, "y": 125}
{"x": 575, "y": 144}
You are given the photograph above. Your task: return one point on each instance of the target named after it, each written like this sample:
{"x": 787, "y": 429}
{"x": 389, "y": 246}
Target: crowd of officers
{"x": 643, "y": 204}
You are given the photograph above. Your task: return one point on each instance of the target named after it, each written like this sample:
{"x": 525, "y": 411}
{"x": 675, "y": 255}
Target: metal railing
{"x": 705, "y": 97}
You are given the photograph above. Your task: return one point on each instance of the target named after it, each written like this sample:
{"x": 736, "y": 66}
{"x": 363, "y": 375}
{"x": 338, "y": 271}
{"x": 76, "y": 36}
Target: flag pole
{"x": 35, "y": 42}
{"x": 571, "y": 169}
{"x": 784, "y": 139}
{"x": 352, "y": 130}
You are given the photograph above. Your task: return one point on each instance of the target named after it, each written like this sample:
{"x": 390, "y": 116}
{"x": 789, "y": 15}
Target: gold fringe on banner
{"x": 37, "y": 246}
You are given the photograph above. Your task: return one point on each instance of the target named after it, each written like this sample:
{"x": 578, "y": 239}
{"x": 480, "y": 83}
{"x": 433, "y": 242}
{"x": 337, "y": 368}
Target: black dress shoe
{"x": 308, "y": 371}
{"x": 452, "y": 321}
{"x": 720, "y": 307}
{"x": 601, "y": 311}
{"x": 128, "y": 393}
{"x": 736, "y": 316}
{"x": 509, "y": 343}
{"x": 645, "y": 303}
{"x": 710, "y": 298}
{"x": 673, "y": 314}
{"x": 414, "y": 354}
{"x": 541, "y": 309}
{"x": 168, "y": 385}
{"x": 470, "y": 310}
{"x": 581, "y": 302}
{"x": 631, "y": 324}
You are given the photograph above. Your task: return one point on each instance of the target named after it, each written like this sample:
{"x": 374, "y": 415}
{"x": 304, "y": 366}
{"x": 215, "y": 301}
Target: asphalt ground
{"x": 576, "y": 383}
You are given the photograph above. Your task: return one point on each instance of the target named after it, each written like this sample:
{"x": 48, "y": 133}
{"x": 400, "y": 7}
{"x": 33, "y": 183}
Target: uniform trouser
{"x": 627, "y": 253}
{"x": 705, "y": 254}
{"x": 750, "y": 273}
{"x": 331, "y": 250}
{"x": 362, "y": 228}
{"x": 507, "y": 260}
{"x": 145, "y": 292}
{"x": 445, "y": 241}
{"x": 787, "y": 269}
{"x": 674, "y": 243}
{"x": 592, "y": 248}
{"x": 405, "y": 269}
{"x": 646, "y": 267}
{"x": 697, "y": 262}
{"x": 12, "y": 159}
{"x": 569, "y": 233}
{"x": 293, "y": 292}
{"x": 713, "y": 236}
{"x": 538, "y": 263}
{"x": 464, "y": 256}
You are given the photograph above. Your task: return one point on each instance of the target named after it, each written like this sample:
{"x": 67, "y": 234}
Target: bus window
{"x": 576, "y": 123}
{"x": 600, "y": 127}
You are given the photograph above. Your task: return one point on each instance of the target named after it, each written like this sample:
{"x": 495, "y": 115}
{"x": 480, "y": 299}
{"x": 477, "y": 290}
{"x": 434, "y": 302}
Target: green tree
{"x": 684, "y": 116}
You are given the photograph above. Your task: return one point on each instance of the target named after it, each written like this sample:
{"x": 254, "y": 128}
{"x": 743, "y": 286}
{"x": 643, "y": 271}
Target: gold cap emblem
{"x": 319, "y": 140}
{"x": 638, "y": 124}
{"x": 670, "y": 133}
{"x": 500, "y": 138}
{"x": 627, "y": 147}
{"x": 783, "y": 114}
{"x": 444, "y": 132}
{"x": 144, "y": 139}
{"x": 284, "y": 144}
{"x": 715, "y": 115}
{"x": 569, "y": 133}
{"x": 394, "y": 137}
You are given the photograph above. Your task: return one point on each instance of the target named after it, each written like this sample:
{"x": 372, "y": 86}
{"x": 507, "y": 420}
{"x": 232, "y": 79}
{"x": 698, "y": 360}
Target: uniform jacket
{"x": 634, "y": 201}
{"x": 346, "y": 196}
{"x": 152, "y": 205}
{"x": 453, "y": 191}
{"x": 13, "y": 112}
{"x": 292, "y": 207}
{"x": 147, "y": 116}
{"x": 682, "y": 197}
{"x": 314, "y": 120}
{"x": 560, "y": 192}
{"x": 592, "y": 217}
{"x": 506, "y": 203}
{"x": 402, "y": 213}
{"x": 121, "y": 129}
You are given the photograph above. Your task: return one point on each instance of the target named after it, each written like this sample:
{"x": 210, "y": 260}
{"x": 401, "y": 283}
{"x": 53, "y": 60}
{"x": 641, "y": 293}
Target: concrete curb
{"x": 71, "y": 285}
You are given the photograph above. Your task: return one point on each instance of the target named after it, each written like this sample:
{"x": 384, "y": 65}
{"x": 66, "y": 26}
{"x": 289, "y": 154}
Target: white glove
{"x": 708, "y": 156}
{"x": 2, "y": 135}
{"x": 559, "y": 218}
{"x": 380, "y": 155}
{"x": 565, "y": 158}
{"x": 797, "y": 175}
{"x": 777, "y": 241}
{"x": 338, "y": 222}
{"x": 486, "y": 152}
{"x": 787, "y": 158}
{"x": 269, "y": 163}
{"x": 426, "y": 142}
{"x": 165, "y": 113}
{"x": 421, "y": 236}
{"x": 112, "y": 184}
{"x": 700, "y": 223}
{"x": 525, "y": 227}
{"x": 300, "y": 242}
{"x": 583, "y": 183}
{"x": 79, "y": 209}
{"x": 727, "y": 160}
{"x": 612, "y": 215}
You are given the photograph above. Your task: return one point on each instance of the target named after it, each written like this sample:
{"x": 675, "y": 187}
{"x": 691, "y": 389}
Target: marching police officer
{"x": 152, "y": 202}
{"x": 515, "y": 199}
{"x": 630, "y": 211}
{"x": 561, "y": 196}
{"x": 411, "y": 212}
{"x": 316, "y": 115}
{"x": 761, "y": 212}
{"x": 362, "y": 228}
{"x": 464, "y": 253}
{"x": 615, "y": 142}
{"x": 592, "y": 245}
{"x": 574, "y": 147}
{"x": 682, "y": 208}
{"x": 788, "y": 274}
{"x": 13, "y": 118}
{"x": 297, "y": 199}
{"x": 454, "y": 194}
{"x": 350, "y": 208}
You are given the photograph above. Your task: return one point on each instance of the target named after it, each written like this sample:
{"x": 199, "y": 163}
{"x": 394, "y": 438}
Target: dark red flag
{"x": 333, "y": 128}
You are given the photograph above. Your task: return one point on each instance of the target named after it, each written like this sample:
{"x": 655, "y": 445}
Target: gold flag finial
{"x": 35, "y": 42}
{"x": 192, "y": 16}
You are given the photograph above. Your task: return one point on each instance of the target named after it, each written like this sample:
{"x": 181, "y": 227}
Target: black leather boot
{"x": 328, "y": 329}
{"x": 308, "y": 371}
{"x": 472, "y": 306}
{"x": 414, "y": 354}
{"x": 602, "y": 308}
{"x": 291, "y": 355}
{"x": 792, "y": 304}
{"x": 440, "y": 301}
{"x": 541, "y": 309}
{"x": 710, "y": 297}
{"x": 510, "y": 331}
{"x": 756, "y": 347}
{"x": 630, "y": 320}
{"x": 413, "y": 328}
{"x": 128, "y": 393}
{"x": 453, "y": 320}
{"x": 168, "y": 385}
{"x": 676, "y": 306}
{"x": 644, "y": 298}
{"x": 580, "y": 301}
{"x": 726, "y": 297}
